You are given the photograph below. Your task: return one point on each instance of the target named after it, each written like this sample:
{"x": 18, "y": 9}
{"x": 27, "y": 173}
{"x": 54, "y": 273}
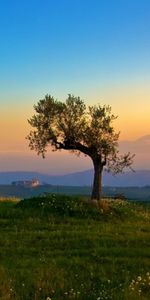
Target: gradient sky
{"x": 99, "y": 50}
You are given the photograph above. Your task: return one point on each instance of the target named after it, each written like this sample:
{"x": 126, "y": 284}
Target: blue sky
{"x": 99, "y": 50}
{"x": 63, "y": 45}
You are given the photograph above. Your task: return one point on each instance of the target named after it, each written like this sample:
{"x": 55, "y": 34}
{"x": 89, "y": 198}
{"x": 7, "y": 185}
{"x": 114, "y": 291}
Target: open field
{"x": 59, "y": 247}
{"x": 131, "y": 193}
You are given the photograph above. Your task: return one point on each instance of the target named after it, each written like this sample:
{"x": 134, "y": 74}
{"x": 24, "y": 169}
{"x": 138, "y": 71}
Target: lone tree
{"x": 72, "y": 126}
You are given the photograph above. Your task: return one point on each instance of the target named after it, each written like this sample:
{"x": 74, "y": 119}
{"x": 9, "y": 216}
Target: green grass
{"x": 132, "y": 193}
{"x": 60, "y": 247}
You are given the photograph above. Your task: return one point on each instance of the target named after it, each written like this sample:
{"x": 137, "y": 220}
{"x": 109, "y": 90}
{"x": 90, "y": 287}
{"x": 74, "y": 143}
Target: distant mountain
{"x": 84, "y": 178}
{"x": 145, "y": 138}
{"x": 66, "y": 162}
{"x": 141, "y": 147}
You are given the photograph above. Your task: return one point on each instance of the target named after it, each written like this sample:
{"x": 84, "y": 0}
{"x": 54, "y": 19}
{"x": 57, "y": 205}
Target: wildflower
{"x": 139, "y": 278}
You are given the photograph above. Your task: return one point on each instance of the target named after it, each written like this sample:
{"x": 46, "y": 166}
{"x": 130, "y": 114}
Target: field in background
{"x": 136, "y": 193}
{"x": 59, "y": 247}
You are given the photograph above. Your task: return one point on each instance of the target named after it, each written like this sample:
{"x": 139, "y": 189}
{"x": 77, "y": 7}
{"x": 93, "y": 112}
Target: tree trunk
{"x": 97, "y": 182}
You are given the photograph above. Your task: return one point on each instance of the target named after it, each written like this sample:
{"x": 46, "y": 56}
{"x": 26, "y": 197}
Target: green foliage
{"x": 60, "y": 206}
{"x": 56, "y": 123}
{"x": 48, "y": 250}
{"x": 72, "y": 126}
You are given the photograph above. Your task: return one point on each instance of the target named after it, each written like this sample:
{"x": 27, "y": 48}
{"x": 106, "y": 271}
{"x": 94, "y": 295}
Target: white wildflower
{"x": 139, "y": 278}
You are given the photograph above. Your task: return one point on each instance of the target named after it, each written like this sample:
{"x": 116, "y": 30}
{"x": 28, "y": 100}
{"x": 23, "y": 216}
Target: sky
{"x": 98, "y": 50}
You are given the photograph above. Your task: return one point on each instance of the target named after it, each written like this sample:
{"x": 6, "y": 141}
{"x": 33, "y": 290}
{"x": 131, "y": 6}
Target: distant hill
{"x": 84, "y": 178}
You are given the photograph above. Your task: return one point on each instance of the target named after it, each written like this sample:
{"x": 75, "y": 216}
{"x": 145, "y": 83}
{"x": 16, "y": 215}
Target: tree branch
{"x": 76, "y": 146}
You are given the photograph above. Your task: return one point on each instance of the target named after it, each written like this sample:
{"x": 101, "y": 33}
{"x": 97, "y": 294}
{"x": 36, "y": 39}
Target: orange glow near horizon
{"x": 132, "y": 106}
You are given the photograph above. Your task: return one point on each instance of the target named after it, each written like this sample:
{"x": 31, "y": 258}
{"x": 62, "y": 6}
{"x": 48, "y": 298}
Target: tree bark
{"x": 97, "y": 182}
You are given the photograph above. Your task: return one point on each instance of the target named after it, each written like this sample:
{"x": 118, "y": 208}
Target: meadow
{"x": 131, "y": 193}
{"x": 60, "y": 247}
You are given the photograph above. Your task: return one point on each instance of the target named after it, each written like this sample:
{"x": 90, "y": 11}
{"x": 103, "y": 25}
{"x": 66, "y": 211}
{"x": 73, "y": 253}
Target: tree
{"x": 72, "y": 126}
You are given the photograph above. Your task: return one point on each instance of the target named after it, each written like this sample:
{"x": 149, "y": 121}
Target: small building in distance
{"x": 26, "y": 183}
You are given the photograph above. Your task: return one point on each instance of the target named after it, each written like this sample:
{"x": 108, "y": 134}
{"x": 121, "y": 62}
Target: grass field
{"x": 131, "y": 193}
{"x": 59, "y": 247}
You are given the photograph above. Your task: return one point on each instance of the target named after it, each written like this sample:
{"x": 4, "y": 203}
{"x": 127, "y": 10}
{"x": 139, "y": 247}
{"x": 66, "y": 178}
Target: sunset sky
{"x": 99, "y": 50}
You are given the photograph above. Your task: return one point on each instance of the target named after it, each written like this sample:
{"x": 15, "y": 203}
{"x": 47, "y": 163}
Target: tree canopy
{"x": 73, "y": 126}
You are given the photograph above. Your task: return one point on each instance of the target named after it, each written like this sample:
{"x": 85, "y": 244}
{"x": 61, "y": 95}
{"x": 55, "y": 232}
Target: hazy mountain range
{"x": 141, "y": 149}
{"x": 65, "y": 162}
{"x": 137, "y": 178}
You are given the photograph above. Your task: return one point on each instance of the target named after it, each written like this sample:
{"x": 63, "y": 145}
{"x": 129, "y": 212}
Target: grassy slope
{"x": 63, "y": 249}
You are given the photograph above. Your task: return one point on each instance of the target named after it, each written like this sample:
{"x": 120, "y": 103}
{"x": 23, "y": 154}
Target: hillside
{"x": 61, "y": 248}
